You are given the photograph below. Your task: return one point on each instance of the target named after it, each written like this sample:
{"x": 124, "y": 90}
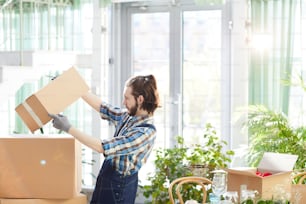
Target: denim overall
{"x": 114, "y": 188}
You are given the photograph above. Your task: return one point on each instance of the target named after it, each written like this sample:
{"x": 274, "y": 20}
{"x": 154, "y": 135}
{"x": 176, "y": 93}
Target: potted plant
{"x": 209, "y": 155}
{"x": 172, "y": 163}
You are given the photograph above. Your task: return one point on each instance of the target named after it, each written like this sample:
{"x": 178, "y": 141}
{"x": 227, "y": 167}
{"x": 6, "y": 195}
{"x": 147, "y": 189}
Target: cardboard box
{"x": 53, "y": 98}
{"x": 79, "y": 199}
{"x": 298, "y": 193}
{"x": 280, "y": 165}
{"x": 40, "y": 167}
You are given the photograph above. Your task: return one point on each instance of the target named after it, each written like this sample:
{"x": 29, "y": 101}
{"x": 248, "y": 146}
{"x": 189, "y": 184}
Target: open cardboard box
{"x": 53, "y": 98}
{"x": 280, "y": 165}
{"x": 46, "y": 167}
{"x": 298, "y": 189}
{"x": 298, "y": 193}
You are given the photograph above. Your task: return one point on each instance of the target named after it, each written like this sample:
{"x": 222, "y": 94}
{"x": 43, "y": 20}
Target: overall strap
{"x": 147, "y": 125}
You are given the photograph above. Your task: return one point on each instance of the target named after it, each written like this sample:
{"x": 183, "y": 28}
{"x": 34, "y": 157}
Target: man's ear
{"x": 140, "y": 99}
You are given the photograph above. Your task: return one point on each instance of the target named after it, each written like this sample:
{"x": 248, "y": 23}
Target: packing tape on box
{"x": 32, "y": 114}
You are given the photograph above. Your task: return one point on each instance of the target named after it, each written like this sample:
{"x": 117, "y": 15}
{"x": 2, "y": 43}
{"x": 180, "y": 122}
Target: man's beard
{"x": 133, "y": 110}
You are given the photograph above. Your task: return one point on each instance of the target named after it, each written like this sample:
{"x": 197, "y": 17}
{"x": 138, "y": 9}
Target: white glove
{"x": 60, "y": 122}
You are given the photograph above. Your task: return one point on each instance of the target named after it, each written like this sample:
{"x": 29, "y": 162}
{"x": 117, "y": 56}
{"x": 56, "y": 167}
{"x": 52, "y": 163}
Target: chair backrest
{"x": 300, "y": 178}
{"x": 184, "y": 180}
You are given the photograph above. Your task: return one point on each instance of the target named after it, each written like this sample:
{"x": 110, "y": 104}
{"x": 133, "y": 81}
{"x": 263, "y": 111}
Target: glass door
{"x": 181, "y": 44}
{"x": 150, "y": 55}
{"x": 201, "y": 78}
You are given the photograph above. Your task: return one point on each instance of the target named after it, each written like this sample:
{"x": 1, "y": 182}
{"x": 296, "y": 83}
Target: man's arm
{"x": 62, "y": 123}
{"x": 90, "y": 141}
{"x": 92, "y": 100}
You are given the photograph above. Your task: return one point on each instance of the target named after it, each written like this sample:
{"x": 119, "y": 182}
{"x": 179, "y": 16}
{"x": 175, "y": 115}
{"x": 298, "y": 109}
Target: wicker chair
{"x": 300, "y": 178}
{"x": 184, "y": 180}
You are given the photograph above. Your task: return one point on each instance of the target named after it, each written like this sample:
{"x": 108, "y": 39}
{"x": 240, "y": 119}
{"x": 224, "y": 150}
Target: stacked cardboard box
{"x": 43, "y": 169}
{"x": 78, "y": 199}
{"x": 40, "y": 168}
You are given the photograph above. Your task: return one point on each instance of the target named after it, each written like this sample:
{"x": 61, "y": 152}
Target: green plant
{"x": 210, "y": 153}
{"x": 172, "y": 163}
{"x": 270, "y": 131}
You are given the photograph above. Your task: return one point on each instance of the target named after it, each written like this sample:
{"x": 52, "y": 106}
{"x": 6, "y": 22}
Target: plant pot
{"x": 200, "y": 170}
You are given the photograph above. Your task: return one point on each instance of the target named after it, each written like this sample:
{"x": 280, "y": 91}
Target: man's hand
{"x": 60, "y": 122}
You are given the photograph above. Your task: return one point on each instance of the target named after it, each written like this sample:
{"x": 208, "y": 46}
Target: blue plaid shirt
{"x": 133, "y": 139}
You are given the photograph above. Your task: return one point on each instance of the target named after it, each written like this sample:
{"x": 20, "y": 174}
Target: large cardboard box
{"x": 78, "y": 199}
{"x": 53, "y": 98}
{"x": 40, "y": 166}
{"x": 280, "y": 165}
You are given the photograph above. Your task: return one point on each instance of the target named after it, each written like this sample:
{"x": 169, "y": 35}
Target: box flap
{"x": 62, "y": 91}
{"x": 37, "y": 136}
{"x": 277, "y": 162}
{"x": 248, "y": 171}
